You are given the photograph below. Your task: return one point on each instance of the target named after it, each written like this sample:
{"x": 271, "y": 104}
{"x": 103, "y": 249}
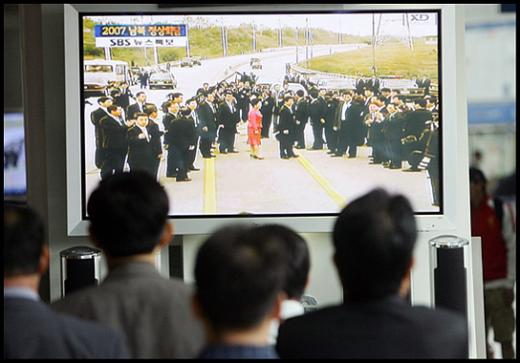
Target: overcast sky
{"x": 392, "y": 24}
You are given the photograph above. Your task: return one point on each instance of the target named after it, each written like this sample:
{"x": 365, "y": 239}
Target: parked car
{"x": 255, "y": 63}
{"x": 187, "y": 62}
{"x": 98, "y": 74}
{"x": 197, "y": 60}
{"x": 162, "y": 80}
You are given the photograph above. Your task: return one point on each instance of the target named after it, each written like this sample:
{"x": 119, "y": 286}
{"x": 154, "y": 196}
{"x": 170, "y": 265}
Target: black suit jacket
{"x": 301, "y": 111}
{"x": 207, "y": 118}
{"x": 132, "y": 110}
{"x": 114, "y": 133}
{"x": 140, "y": 151}
{"x": 387, "y": 328}
{"x": 33, "y": 330}
{"x": 95, "y": 118}
{"x": 286, "y": 121}
{"x": 415, "y": 122}
{"x": 227, "y": 118}
{"x": 167, "y": 120}
{"x": 181, "y": 133}
{"x": 317, "y": 110}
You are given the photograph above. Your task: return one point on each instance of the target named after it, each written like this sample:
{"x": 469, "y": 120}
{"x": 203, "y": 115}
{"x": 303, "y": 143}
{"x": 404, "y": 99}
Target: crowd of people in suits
{"x": 398, "y": 128}
{"x": 246, "y": 300}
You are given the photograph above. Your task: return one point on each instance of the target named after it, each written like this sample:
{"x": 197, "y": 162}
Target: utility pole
{"x": 279, "y": 33}
{"x": 187, "y": 40}
{"x": 108, "y": 54}
{"x": 410, "y": 39}
{"x": 224, "y": 41}
{"x": 254, "y": 37}
{"x": 373, "y": 45}
{"x": 306, "y": 41}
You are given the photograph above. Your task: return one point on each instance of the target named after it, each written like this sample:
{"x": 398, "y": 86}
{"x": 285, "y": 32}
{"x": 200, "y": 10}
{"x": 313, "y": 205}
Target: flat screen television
{"x": 15, "y": 179}
{"x": 349, "y": 98}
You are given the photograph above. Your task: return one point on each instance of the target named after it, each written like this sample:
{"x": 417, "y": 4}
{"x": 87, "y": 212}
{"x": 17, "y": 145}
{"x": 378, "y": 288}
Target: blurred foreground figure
{"x": 128, "y": 221}
{"x": 374, "y": 237}
{"x": 239, "y": 280}
{"x": 494, "y": 220}
{"x": 31, "y": 328}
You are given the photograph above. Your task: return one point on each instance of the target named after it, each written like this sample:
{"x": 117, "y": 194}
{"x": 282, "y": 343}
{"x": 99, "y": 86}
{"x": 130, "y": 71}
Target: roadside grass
{"x": 392, "y": 58}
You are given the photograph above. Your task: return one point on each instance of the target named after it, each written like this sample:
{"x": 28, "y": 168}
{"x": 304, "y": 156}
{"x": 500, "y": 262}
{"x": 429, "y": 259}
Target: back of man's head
{"x": 238, "y": 278}
{"x": 297, "y": 256}
{"x": 374, "y": 237}
{"x": 23, "y": 240}
{"x": 128, "y": 214}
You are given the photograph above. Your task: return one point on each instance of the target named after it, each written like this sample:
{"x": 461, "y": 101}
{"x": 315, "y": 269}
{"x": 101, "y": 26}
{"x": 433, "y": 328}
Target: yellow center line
{"x": 324, "y": 183}
{"x": 210, "y": 200}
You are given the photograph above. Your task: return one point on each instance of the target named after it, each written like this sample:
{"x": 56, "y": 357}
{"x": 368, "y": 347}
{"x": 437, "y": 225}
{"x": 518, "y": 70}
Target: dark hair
{"x": 176, "y": 94}
{"x": 300, "y": 93}
{"x": 140, "y": 93}
{"x": 374, "y": 237}
{"x": 191, "y": 100}
{"x": 103, "y": 99}
{"x": 170, "y": 103}
{"x": 127, "y": 213}
{"x": 421, "y": 102}
{"x": 297, "y": 256}
{"x": 23, "y": 240}
{"x": 149, "y": 108}
{"x": 477, "y": 176}
{"x": 255, "y": 101}
{"x": 238, "y": 277}
{"x": 140, "y": 114}
{"x": 287, "y": 98}
{"x": 185, "y": 112}
{"x": 385, "y": 90}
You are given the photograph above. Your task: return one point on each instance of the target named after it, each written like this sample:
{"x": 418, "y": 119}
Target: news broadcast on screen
{"x": 265, "y": 114}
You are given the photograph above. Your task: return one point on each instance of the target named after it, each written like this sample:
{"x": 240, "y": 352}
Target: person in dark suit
{"x": 414, "y": 125}
{"x": 340, "y": 123}
{"x": 124, "y": 97}
{"x": 227, "y": 118}
{"x": 155, "y": 133}
{"x": 138, "y": 106}
{"x": 301, "y": 115}
{"x": 425, "y": 83}
{"x": 194, "y": 118}
{"x": 207, "y": 125}
{"x": 385, "y": 96}
{"x": 393, "y": 135}
{"x": 267, "y": 110}
{"x": 374, "y": 237}
{"x": 31, "y": 329}
{"x": 286, "y": 129}
{"x": 360, "y": 85}
{"x": 353, "y": 134}
{"x": 168, "y": 119}
{"x": 238, "y": 300}
{"x": 128, "y": 221}
{"x": 317, "y": 110}
{"x": 374, "y": 121}
{"x": 176, "y": 97}
{"x": 181, "y": 139}
{"x": 140, "y": 146}
{"x": 330, "y": 112}
{"x": 115, "y": 141}
{"x": 374, "y": 84}
{"x": 95, "y": 118}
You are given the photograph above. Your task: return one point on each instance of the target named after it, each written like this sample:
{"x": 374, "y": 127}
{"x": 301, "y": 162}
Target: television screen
{"x": 265, "y": 114}
{"x": 15, "y": 182}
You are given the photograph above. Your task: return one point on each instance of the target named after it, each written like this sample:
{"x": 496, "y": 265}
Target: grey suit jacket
{"x": 33, "y": 330}
{"x": 154, "y": 312}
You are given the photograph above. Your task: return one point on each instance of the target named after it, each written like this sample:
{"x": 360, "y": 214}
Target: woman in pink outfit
{"x": 254, "y": 128}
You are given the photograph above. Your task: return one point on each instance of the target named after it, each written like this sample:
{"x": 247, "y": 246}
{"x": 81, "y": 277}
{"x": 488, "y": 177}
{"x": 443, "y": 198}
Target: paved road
{"x": 272, "y": 185}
